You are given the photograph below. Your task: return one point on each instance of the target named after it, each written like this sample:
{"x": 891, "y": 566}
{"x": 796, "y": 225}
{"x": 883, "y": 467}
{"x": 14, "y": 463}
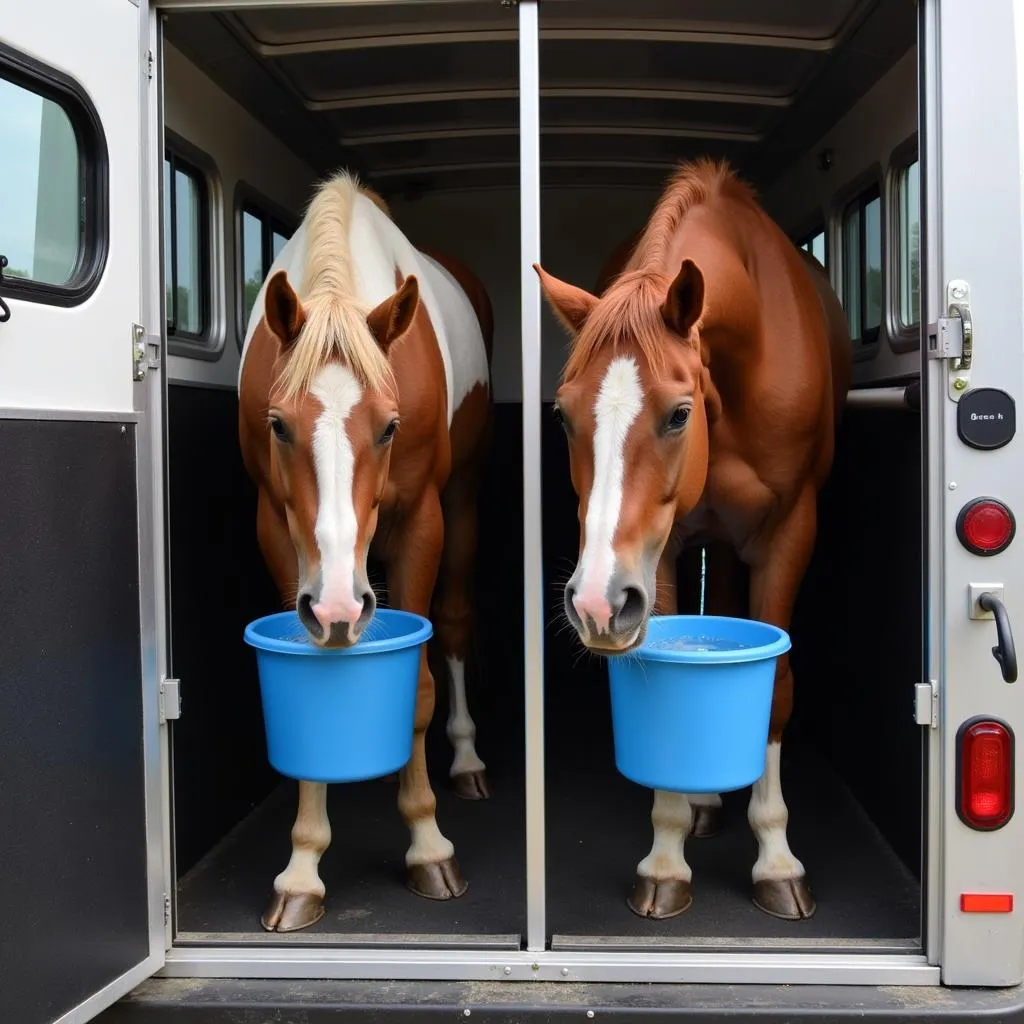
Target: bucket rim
{"x": 779, "y": 645}
{"x": 423, "y": 630}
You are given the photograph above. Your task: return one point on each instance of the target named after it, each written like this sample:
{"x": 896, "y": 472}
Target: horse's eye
{"x": 279, "y": 429}
{"x": 560, "y": 418}
{"x": 679, "y": 417}
{"x": 389, "y": 432}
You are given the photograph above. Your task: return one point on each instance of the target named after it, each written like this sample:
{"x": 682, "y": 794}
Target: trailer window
{"x": 816, "y": 245}
{"x": 909, "y": 200}
{"x": 263, "y": 238}
{"x": 186, "y": 248}
{"x": 862, "y": 266}
{"x": 53, "y": 193}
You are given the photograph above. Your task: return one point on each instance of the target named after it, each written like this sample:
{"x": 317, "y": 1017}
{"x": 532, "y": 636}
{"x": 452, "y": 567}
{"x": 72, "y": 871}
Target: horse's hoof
{"x": 442, "y": 881}
{"x": 707, "y": 822}
{"x": 660, "y": 900}
{"x": 471, "y": 785}
{"x": 292, "y": 913}
{"x": 788, "y": 898}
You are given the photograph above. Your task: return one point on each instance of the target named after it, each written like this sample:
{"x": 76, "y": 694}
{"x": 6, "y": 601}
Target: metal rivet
{"x": 565, "y": 972}
{"x": 590, "y": 1014}
{"x": 952, "y": 485}
{"x": 466, "y": 1013}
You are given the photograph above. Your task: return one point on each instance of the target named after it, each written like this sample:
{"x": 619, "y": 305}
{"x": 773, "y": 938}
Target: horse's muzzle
{"x": 330, "y": 626}
{"x": 614, "y": 622}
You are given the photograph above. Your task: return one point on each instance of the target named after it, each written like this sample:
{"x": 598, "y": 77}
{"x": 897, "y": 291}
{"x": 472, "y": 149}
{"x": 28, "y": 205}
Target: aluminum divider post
{"x": 533, "y": 571}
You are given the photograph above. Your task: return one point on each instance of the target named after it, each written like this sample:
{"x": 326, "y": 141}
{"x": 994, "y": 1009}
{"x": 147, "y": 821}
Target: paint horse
{"x": 364, "y": 414}
{"x": 700, "y": 400}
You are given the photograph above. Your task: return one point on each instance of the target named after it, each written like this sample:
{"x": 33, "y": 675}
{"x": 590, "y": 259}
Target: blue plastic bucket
{"x": 339, "y": 715}
{"x": 691, "y": 705}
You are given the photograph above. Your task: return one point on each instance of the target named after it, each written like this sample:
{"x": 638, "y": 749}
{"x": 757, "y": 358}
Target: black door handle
{"x": 5, "y": 310}
{"x": 1004, "y": 652}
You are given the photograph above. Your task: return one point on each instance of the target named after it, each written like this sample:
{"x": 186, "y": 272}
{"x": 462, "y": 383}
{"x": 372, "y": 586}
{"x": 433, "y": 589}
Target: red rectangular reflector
{"x": 986, "y": 902}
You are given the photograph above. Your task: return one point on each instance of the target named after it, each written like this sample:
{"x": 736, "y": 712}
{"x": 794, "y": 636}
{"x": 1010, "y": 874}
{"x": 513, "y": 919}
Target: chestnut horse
{"x": 700, "y": 401}
{"x": 364, "y": 413}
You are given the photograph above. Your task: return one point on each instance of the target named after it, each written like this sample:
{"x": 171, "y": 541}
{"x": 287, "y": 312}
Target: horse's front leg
{"x": 413, "y": 558}
{"x": 663, "y": 878}
{"x": 780, "y": 884}
{"x": 298, "y": 899}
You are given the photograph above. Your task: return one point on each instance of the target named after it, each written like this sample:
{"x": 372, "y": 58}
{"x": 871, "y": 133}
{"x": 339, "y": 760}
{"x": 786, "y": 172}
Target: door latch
{"x": 145, "y": 352}
{"x": 953, "y": 338}
{"x": 170, "y": 700}
{"x": 926, "y": 704}
{"x": 5, "y": 310}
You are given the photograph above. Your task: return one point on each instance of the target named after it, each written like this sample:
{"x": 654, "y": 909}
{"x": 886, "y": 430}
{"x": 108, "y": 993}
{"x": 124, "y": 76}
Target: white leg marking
{"x": 461, "y": 727}
{"x": 617, "y": 406}
{"x": 336, "y": 528}
{"x": 429, "y": 846}
{"x": 311, "y": 835}
{"x": 671, "y": 817}
{"x": 768, "y": 817}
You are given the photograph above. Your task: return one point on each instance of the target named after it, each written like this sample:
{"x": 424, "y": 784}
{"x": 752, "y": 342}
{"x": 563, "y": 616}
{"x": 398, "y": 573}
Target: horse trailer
{"x": 157, "y": 157}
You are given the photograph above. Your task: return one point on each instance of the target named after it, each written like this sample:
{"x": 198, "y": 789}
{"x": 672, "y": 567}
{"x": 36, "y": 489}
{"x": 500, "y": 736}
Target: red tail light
{"x": 984, "y": 774}
{"x": 985, "y": 526}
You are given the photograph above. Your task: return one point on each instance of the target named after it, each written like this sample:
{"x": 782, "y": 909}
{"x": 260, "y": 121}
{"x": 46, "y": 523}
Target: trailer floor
{"x": 598, "y": 829}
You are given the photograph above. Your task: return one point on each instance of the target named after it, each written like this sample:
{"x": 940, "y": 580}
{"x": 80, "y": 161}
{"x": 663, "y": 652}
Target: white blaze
{"x": 617, "y": 406}
{"x": 337, "y": 527}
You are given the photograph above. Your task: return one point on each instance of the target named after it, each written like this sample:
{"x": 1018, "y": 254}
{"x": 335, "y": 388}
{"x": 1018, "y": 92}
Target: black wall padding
{"x": 72, "y": 798}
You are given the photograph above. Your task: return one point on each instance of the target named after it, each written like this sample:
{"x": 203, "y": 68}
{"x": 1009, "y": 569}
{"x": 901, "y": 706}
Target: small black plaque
{"x": 986, "y": 418}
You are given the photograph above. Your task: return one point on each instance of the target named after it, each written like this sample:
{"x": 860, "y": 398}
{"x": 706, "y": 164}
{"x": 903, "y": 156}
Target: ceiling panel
{"x": 692, "y": 66}
{"x": 391, "y": 90}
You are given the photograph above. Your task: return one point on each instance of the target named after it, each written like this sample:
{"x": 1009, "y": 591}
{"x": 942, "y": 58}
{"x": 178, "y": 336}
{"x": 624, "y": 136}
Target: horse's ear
{"x": 282, "y": 309}
{"x": 393, "y": 318}
{"x": 570, "y": 304}
{"x": 685, "y": 300}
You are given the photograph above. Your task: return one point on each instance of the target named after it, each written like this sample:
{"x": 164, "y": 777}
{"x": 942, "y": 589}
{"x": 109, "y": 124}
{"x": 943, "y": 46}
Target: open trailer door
{"x": 81, "y": 848}
{"x": 974, "y": 302}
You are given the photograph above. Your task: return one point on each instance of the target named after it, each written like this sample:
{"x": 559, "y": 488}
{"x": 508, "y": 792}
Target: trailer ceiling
{"x": 423, "y": 96}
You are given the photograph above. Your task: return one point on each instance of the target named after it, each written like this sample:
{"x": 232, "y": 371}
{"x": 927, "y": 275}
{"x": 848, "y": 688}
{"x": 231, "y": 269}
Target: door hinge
{"x": 145, "y": 352}
{"x": 952, "y": 338}
{"x": 149, "y": 64}
{"x": 167, "y": 908}
{"x": 170, "y": 700}
{"x": 926, "y": 704}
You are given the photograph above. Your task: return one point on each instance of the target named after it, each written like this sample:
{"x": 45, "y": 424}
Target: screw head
{"x": 467, "y": 1013}
{"x": 952, "y": 485}
{"x": 508, "y": 970}
{"x": 590, "y": 1014}
{"x": 960, "y": 383}
{"x": 565, "y": 972}
{"x": 959, "y": 291}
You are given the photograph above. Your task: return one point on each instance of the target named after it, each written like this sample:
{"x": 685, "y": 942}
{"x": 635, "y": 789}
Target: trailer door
{"x": 81, "y": 813}
{"x": 974, "y": 302}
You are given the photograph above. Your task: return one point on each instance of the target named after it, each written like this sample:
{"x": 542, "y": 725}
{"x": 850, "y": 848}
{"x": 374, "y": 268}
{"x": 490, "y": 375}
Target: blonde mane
{"x": 630, "y": 310}
{"x": 335, "y": 326}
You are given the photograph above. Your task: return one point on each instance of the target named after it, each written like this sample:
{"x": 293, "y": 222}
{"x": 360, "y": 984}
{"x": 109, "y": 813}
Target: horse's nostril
{"x": 630, "y": 609}
{"x": 304, "y": 608}
{"x": 369, "y": 607}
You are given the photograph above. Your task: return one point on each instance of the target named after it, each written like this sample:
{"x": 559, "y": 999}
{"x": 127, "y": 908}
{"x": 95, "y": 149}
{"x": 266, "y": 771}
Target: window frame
{"x": 902, "y": 337}
{"x": 208, "y": 345}
{"x": 804, "y": 238}
{"x": 93, "y": 182}
{"x": 273, "y": 217}
{"x": 861, "y": 191}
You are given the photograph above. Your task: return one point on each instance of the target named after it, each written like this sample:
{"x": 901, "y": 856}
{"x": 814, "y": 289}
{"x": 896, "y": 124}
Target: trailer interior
{"x": 816, "y": 105}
